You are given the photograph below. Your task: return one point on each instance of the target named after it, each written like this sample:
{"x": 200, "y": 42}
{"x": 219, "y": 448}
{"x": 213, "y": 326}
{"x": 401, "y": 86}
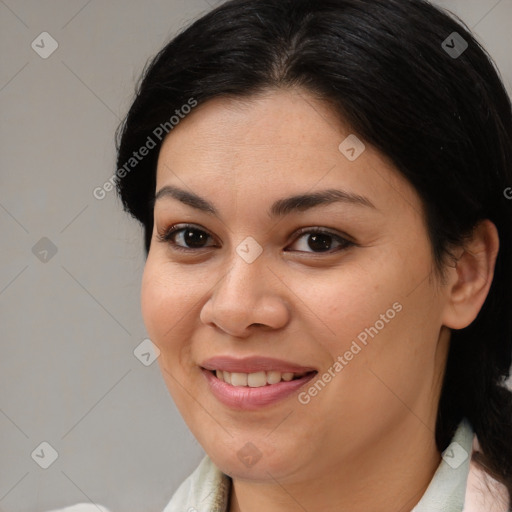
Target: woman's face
{"x": 353, "y": 315}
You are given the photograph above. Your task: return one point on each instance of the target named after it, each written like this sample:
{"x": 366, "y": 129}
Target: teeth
{"x": 273, "y": 377}
{"x": 239, "y": 379}
{"x": 257, "y": 379}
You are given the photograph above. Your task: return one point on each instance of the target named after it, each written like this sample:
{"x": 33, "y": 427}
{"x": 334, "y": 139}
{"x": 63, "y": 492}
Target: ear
{"x": 470, "y": 280}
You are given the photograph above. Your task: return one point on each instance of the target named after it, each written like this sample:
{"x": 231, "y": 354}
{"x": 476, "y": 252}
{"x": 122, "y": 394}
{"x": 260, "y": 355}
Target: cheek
{"x": 369, "y": 313}
{"x": 166, "y": 304}
{"x": 350, "y": 300}
{"x": 155, "y": 299}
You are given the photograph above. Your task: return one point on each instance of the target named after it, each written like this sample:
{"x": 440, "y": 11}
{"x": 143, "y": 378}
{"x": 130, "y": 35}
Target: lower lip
{"x": 249, "y": 399}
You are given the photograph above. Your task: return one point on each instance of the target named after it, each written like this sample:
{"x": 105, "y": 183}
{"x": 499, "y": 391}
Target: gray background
{"x": 69, "y": 325}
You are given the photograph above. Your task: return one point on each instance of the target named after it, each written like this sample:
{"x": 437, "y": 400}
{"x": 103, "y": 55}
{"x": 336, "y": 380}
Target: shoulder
{"x": 484, "y": 492}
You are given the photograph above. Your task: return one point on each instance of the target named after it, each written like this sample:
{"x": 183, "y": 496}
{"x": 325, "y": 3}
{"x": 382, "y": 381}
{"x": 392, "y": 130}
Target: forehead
{"x": 281, "y": 140}
{"x": 272, "y": 120}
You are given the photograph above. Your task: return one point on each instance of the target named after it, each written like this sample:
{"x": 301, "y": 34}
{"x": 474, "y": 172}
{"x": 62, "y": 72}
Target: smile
{"x": 253, "y": 383}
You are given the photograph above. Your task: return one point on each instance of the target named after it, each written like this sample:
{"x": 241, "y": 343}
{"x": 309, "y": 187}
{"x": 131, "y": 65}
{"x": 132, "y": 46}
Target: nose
{"x": 249, "y": 296}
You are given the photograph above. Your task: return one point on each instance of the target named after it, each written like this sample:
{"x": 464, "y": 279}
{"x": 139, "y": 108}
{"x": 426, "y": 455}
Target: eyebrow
{"x": 279, "y": 208}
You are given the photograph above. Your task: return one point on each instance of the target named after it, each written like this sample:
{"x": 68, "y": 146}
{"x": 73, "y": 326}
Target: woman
{"x": 323, "y": 189}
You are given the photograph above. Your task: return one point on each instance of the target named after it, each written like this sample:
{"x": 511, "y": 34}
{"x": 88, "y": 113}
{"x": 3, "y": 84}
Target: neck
{"x": 393, "y": 474}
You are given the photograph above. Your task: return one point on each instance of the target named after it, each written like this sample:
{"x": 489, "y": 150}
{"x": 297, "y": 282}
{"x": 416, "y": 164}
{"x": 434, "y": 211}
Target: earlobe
{"x": 472, "y": 276}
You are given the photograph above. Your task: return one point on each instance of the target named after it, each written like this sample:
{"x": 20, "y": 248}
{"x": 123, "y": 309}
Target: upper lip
{"x": 253, "y": 364}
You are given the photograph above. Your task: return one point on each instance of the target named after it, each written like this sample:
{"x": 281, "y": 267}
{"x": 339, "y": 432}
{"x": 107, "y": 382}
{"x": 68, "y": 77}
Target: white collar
{"x": 447, "y": 488}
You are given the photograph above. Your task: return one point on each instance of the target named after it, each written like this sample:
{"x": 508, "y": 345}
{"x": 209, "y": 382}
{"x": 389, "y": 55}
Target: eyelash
{"x": 166, "y": 237}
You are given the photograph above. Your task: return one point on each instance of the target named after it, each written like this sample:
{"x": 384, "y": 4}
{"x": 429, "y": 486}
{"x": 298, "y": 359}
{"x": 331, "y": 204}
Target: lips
{"x": 255, "y": 382}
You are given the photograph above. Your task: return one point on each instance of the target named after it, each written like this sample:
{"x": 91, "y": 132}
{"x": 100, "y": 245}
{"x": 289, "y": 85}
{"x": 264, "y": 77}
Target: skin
{"x": 366, "y": 441}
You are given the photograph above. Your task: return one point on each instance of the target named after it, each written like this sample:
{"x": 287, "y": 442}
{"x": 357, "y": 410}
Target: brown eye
{"x": 318, "y": 241}
{"x": 185, "y": 238}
